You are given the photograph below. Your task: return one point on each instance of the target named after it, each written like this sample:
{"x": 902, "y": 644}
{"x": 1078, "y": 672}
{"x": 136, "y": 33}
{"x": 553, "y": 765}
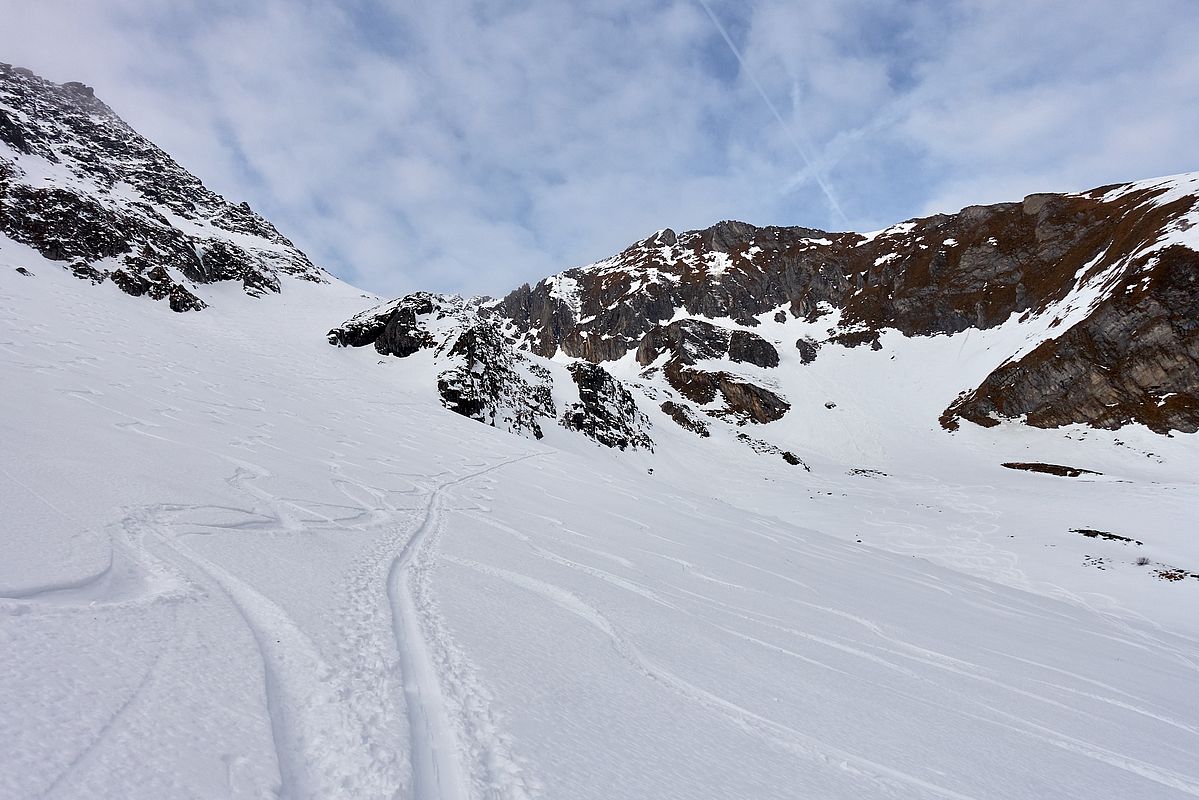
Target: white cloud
{"x": 473, "y": 146}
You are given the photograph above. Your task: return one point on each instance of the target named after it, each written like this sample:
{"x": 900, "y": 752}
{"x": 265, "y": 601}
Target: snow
{"x": 239, "y": 562}
{"x": 895, "y": 230}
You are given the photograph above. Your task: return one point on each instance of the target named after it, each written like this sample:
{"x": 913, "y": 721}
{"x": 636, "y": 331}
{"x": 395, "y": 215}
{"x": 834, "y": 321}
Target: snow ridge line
{"x": 435, "y": 754}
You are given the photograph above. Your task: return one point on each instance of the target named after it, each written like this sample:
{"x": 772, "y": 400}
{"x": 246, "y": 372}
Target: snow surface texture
{"x": 239, "y": 562}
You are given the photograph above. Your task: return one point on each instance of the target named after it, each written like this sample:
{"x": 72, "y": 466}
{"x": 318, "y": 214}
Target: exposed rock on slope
{"x": 1101, "y": 285}
{"x": 1130, "y": 357}
{"x": 80, "y": 186}
{"x": 606, "y": 410}
{"x": 482, "y": 375}
{"x": 1134, "y": 359}
{"x": 493, "y": 383}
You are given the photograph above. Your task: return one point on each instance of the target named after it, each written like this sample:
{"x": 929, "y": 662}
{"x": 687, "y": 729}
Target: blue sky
{"x": 471, "y": 146}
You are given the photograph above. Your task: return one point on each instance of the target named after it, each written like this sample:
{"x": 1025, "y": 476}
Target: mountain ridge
{"x": 80, "y": 186}
{"x": 1103, "y": 280}
{"x": 1119, "y": 258}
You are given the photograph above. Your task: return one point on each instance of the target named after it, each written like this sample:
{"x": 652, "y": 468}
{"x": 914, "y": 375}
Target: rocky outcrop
{"x": 1106, "y": 279}
{"x": 749, "y": 348}
{"x": 808, "y": 348}
{"x": 686, "y": 417}
{"x": 689, "y": 342}
{"x": 396, "y": 328}
{"x": 932, "y": 276}
{"x": 494, "y": 384}
{"x": 1135, "y": 358}
{"x": 759, "y": 446}
{"x": 606, "y": 411}
{"x": 80, "y": 186}
{"x": 483, "y": 377}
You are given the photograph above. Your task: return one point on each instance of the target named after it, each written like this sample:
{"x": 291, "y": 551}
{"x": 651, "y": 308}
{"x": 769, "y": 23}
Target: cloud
{"x": 469, "y": 146}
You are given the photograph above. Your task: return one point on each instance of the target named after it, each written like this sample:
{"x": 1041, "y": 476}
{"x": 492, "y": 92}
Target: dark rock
{"x": 63, "y": 225}
{"x": 748, "y": 402}
{"x": 131, "y": 283}
{"x": 606, "y": 411}
{"x": 494, "y": 384}
{"x": 139, "y": 226}
{"x": 752, "y": 349}
{"x": 156, "y": 284}
{"x": 86, "y": 272}
{"x": 1091, "y": 533}
{"x": 13, "y": 135}
{"x": 767, "y": 448}
{"x": 1134, "y": 359}
{"x": 1049, "y": 469}
{"x": 397, "y": 328}
{"x": 686, "y": 417}
{"x": 181, "y": 299}
{"x": 857, "y": 339}
{"x": 687, "y": 341}
{"x": 808, "y": 348}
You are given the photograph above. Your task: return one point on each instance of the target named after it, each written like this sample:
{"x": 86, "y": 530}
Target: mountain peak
{"x": 80, "y": 186}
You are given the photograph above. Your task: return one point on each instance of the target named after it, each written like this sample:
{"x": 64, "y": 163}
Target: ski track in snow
{"x": 437, "y": 769}
{"x": 881, "y": 777}
{"x": 79, "y": 761}
{"x": 323, "y": 746}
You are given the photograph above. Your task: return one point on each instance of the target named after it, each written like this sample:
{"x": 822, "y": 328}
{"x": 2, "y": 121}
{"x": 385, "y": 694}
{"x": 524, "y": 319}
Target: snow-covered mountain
{"x": 1099, "y": 291}
{"x": 81, "y": 187}
{"x": 731, "y": 551}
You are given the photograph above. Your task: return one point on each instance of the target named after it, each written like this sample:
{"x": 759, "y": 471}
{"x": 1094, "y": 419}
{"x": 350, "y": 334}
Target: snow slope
{"x": 241, "y": 563}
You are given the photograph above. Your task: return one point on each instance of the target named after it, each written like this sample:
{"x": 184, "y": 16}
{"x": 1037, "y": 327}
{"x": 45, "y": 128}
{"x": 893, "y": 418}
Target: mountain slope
{"x": 81, "y": 187}
{"x": 1059, "y": 310}
{"x": 234, "y": 570}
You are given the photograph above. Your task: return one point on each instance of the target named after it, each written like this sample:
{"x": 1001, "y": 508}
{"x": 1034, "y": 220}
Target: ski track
{"x": 899, "y": 649}
{"x": 438, "y": 771}
{"x": 318, "y": 743}
{"x": 881, "y": 777}
{"x": 324, "y": 746}
{"x": 81, "y": 758}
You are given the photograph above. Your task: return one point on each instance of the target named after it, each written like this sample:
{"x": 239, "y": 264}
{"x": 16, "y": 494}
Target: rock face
{"x": 80, "y": 186}
{"x": 483, "y": 376}
{"x": 1106, "y": 284}
{"x": 1132, "y": 359}
{"x": 686, "y": 417}
{"x": 495, "y": 384}
{"x": 606, "y": 411}
{"x": 688, "y": 342}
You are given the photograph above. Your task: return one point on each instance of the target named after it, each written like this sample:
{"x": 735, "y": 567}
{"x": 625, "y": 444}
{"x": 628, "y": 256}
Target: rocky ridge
{"x": 81, "y": 187}
{"x": 480, "y": 374}
{"x": 693, "y": 329}
{"x": 1104, "y": 282}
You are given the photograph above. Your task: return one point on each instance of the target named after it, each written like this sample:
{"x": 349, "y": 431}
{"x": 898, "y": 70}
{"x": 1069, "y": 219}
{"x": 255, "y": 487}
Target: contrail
{"x": 799, "y": 148}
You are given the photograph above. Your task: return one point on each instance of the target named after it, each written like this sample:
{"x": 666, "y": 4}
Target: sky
{"x": 470, "y": 146}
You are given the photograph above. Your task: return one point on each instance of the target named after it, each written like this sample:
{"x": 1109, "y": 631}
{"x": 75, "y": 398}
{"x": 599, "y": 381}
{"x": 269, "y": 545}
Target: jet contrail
{"x": 799, "y": 148}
